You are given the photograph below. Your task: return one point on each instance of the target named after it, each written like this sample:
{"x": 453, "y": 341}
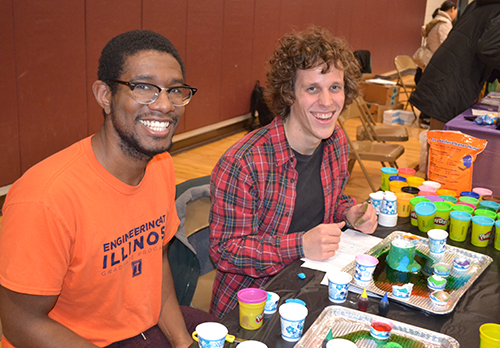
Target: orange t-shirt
{"x": 72, "y": 229}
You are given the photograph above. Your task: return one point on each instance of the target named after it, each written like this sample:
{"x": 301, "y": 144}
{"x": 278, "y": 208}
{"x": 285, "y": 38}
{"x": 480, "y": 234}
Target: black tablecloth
{"x": 479, "y": 305}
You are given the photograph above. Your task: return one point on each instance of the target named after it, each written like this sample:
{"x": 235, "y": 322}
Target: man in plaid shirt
{"x": 277, "y": 193}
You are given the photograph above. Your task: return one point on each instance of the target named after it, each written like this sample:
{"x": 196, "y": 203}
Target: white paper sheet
{"x": 352, "y": 243}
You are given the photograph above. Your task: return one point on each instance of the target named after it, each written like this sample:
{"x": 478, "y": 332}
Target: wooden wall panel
{"x": 50, "y": 52}
{"x": 169, "y": 18}
{"x": 104, "y": 20}
{"x": 266, "y": 33}
{"x": 205, "y": 23}
{"x": 50, "y": 58}
{"x": 236, "y": 75}
{"x": 9, "y": 122}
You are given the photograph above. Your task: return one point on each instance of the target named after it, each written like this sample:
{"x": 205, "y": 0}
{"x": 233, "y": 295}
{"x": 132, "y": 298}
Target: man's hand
{"x": 363, "y": 217}
{"x": 321, "y": 242}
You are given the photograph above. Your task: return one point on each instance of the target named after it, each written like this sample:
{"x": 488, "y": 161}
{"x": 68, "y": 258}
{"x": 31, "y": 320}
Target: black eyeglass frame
{"x": 132, "y": 86}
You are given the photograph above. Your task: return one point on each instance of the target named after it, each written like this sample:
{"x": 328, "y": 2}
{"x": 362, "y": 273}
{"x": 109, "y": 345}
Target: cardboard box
{"x": 380, "y": 94}
{"x": 377, "y": 110}
{"x": 397, "y": 116}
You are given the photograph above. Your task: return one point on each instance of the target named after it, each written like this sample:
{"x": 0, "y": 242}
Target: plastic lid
{"x": 483, "y": 220}
{"x": 389, "y": 170}
{"x": 252, "y": 295}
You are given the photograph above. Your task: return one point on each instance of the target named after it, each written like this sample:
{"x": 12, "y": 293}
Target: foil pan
{"x": 479, "y": 263}
{"x": 343, "y": 321}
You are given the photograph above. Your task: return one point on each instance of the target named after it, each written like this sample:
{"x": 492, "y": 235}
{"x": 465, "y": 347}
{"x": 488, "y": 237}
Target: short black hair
{"x": 114, "y": 54}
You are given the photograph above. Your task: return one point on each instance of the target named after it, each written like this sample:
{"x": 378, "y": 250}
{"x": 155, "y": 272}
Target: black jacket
{"x": 459, "y": 68}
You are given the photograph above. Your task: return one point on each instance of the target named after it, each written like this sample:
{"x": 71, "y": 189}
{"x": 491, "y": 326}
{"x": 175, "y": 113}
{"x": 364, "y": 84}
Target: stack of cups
{"x": 376, "y": 199}
{"x": 388, "y": 216}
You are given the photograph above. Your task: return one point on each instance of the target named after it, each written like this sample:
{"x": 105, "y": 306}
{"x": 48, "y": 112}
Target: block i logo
{"x": 136, "y": 268}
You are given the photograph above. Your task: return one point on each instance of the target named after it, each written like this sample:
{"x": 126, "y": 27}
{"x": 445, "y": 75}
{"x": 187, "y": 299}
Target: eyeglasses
{"x": 147, "y": 93}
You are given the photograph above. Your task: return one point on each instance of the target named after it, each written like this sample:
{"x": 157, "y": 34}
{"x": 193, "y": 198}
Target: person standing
{"x": 456, "y": 74}
{"x": 277, "y": 194}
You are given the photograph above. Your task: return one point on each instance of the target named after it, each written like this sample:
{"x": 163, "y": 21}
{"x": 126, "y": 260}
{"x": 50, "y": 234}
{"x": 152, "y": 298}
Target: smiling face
{"x": 144, "y": 131}
{"x": 319, "y": 99}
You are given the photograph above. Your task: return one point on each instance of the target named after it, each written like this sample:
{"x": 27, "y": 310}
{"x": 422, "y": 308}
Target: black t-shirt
{"x": 309, "y": 208}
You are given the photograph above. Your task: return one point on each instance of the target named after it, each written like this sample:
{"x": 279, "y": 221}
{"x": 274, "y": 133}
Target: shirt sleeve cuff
{"x": 290, "y": 246}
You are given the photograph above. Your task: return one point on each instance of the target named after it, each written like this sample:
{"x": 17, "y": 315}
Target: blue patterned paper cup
{"x": 338, "y": 286}
{"x": 271, "y": 303}
{"x": 437, "y": 240}
{"x": 292, "y": 316}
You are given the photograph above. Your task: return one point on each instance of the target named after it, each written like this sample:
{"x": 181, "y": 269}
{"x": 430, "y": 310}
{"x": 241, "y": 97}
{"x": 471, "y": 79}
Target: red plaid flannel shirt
{"x": 253, "y": 198}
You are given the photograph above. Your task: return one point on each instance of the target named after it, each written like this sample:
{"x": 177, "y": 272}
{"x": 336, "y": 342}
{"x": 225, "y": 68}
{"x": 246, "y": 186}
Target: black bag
{"x": 259, "y": 108}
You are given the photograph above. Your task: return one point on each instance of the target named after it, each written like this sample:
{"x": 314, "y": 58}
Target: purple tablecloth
{"x": 487, "y": 166}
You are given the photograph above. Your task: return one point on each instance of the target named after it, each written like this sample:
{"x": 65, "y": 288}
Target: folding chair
{"x": 370, "y": 151}
{"x": 192, "y": 269}
{"x": 370, "y": 130}
{"x": 406, "y": 68}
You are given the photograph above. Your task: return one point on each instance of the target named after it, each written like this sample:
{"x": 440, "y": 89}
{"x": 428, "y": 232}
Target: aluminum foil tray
{"x": 343, "y": 321}
{"x": 479, "y": 263}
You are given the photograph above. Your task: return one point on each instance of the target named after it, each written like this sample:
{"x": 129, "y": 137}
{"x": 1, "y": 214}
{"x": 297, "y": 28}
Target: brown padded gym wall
{"x": 49, "y": 52}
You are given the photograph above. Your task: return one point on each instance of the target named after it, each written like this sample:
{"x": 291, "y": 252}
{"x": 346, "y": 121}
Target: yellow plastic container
{"x": 414, "y": 181}
{"x": 395, "y": 186}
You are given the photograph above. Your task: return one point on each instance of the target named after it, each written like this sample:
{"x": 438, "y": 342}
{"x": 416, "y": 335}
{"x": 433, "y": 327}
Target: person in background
{"x": 456, "y": 74}
{"x": 277, "y": 194}
{"x": 84, "y": 232}
{"x": 435, "y": 32}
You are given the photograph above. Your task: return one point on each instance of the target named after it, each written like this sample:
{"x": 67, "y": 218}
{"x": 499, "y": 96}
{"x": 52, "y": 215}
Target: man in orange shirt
{"x": 84, "y": 232}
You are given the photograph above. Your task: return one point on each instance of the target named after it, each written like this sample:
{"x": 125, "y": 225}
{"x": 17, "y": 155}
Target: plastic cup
{"x": 210, "y": 334}
{"x": 489, "y": 336}
{"x": 413, "y": 203}
{"x": 271, "y": 303}
{"x": 434, "y": 184}
{"x": 427, "y": 188}
{"x": 414, "y": 181}
{"x": 427, "y": 193}
{"x": 482, "y": 191}
{"x": 442, "y": 216}
{"x": 459, "y": 225}
{"x": 252, "y": 302}
{"x": 411, "y": 190}
{"x": 340, "y": 343}
{"x": 425, "y": 215}
{"x": 338, "y": 286}
{"x": 396, "y": 186}
{"x": 437, "y": 240}
{"x": 489, "y": 204}
{"x": 481, "y": 230}
{"x": 491, "y": 198}
{"x": 470, "y": 200}
{"x": 435, "y": 198}
{"x": 376, "y": 199}
{"x": 403, "y": 202}
{"x": 252, "y": 344}
{"x": 451, "y": 199}
{"x": 469, "y": 194}
{"x": 485, "y": 212}
{"x": 386, "y": 173}
{"x": 463, "y": 207}
{"x": 406, "y": 172}
{"x": 446, "y": 192}
{"x": 292, "y": 316}
{"x": 365, "y": 266}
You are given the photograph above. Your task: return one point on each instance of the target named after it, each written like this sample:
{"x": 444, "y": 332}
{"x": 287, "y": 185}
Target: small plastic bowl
{"x": 381, "y": 329}
{"x": 490, "y": 204}
{"x": 402, "y": 292}
{"x": 470, "y": 194}
{"x": 442, "y": 269}
{"x": 461, "y": 264}
{"x": 451, "y": 199}
{"x": 435, "y": 282}
{"x": 434, "y": 184}
{"x": 440, "y": 297}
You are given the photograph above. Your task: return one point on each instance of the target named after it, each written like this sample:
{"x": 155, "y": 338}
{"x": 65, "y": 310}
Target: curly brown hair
{"x": 305, "y": 50}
